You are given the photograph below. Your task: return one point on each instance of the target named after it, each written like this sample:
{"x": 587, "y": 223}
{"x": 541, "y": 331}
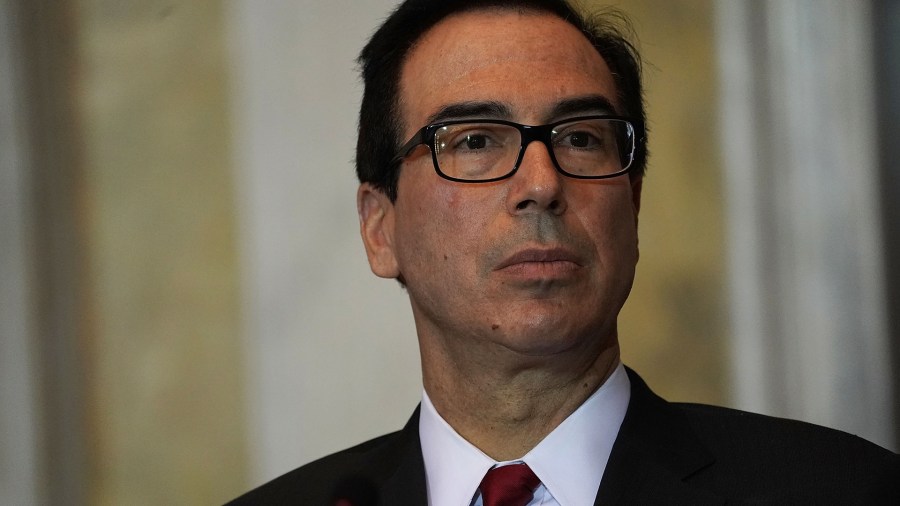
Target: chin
{"x": 547, "y": 336}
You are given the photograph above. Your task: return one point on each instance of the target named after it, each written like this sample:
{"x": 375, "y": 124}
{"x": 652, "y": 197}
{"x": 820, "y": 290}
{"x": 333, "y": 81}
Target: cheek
{"x": 457, "y": 225}
{"x": 464, "y": 229}
{"x": 614, "y": 228}
{"x": 461, "y": 209}
{"x": 432, "y": 220}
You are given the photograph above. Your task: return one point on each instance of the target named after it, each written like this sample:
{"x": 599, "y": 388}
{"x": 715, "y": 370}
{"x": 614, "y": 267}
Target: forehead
{"x": 529, "y": 61}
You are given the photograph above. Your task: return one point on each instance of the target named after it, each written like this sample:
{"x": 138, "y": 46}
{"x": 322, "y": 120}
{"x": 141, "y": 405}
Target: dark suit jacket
{"x": 665, "y": 453}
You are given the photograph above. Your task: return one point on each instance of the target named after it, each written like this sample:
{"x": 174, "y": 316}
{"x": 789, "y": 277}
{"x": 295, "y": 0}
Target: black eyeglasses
{"x": 481, "y": 151}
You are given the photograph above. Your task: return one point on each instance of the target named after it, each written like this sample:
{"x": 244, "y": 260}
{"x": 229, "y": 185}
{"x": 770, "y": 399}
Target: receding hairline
{"x": 523, "y": 10}
{"x": 498, "y": 10}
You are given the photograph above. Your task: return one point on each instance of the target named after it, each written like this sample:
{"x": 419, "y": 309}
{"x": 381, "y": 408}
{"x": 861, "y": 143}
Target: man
{"x": 501, "y": 153}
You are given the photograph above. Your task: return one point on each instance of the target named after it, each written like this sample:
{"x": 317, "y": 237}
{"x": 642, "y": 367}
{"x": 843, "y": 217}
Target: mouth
{"x": 540, "y": 263}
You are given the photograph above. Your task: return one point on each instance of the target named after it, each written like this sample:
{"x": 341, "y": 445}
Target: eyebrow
{"x": 490, "y": 109}
{"x": 588, "y": 104}
{"x": 486, "y": 109}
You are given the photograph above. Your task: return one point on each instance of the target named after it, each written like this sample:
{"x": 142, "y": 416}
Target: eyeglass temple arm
{"x": 417, "y": 139}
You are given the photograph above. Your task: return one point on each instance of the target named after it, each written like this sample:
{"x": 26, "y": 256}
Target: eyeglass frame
{"x": 528, "y": 134}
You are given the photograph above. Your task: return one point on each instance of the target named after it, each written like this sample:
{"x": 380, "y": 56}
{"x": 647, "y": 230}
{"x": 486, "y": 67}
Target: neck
{"x": 508, "y": 404}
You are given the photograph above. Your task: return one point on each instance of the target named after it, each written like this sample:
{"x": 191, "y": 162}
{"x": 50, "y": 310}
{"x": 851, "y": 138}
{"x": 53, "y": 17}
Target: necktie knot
{"x": 511, "y": 485}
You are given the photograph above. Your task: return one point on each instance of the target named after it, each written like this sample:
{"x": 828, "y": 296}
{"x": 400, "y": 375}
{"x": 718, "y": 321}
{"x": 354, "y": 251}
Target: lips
{"x": 540, "y": 255}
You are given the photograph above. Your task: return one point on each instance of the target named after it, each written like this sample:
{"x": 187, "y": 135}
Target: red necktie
{"x": 511, "y": 485}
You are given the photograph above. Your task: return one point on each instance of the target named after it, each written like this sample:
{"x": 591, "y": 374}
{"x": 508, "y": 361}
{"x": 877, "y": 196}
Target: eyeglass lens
{"x": 586, "y": 148}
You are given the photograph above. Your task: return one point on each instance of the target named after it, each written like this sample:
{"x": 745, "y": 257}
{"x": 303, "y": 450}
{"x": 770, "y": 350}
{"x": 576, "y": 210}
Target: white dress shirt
{"x": 570, "y": 461}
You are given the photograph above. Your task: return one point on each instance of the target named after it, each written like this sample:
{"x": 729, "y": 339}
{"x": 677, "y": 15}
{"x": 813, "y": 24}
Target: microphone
{"x": 354, "y": 490}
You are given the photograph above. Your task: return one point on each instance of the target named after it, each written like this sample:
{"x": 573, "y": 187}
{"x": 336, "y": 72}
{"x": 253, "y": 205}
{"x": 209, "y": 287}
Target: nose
{"x": 536, "y": 186}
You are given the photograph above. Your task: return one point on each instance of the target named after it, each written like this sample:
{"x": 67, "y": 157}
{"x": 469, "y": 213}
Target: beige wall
{"x": 164, "y": 372}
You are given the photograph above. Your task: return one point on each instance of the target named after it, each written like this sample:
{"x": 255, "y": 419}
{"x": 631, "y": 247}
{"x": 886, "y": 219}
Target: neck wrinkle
{"x": 506, "y": 411}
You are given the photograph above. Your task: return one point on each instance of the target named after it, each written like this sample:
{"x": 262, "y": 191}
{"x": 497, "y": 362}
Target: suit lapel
{"x": 655, "y": 451}
{"x": 406, "y": 485}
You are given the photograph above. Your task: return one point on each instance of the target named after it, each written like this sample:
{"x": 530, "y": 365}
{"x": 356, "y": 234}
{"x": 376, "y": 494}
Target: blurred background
{"x": 185, "y": 306}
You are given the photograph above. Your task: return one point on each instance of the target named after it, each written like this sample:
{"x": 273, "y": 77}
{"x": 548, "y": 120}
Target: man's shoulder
{"x": 748, "y": 431}
{"x": 743, "y": 457}
{"x": 362, "y": 471}
{"x": 727, "y": 431}
{"x": 317, "y": 481}
{"x": 785, "y": 453}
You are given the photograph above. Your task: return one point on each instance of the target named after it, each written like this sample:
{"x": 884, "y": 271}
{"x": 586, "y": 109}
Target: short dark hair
{"x": 381, "y": 62}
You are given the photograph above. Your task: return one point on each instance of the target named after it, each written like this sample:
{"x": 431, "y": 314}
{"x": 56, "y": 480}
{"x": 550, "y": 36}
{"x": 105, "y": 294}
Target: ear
{"x": 376, "y": 226}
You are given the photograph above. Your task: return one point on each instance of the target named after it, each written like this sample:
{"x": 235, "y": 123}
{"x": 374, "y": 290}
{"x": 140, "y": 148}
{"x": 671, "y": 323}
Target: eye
{"x": 475, "y": 141}
{"x": 469, "y": 138}
{"x": 583, "y": 135}
{"x": 580, "y": 140}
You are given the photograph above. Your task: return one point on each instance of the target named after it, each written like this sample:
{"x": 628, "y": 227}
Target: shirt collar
{"x": 453, "y": 466}
{"x": 570, "y": 461}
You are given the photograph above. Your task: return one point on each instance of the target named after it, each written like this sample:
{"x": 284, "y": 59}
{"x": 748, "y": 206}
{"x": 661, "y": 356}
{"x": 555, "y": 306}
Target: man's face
{"x": 538, "y": 263}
